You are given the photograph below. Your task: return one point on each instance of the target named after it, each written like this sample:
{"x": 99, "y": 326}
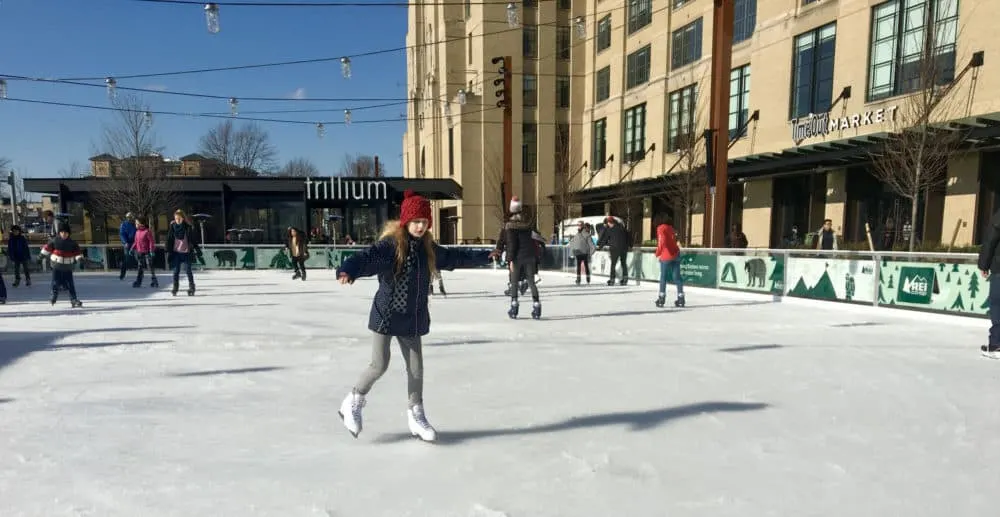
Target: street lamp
{"x": 201, "y": 218}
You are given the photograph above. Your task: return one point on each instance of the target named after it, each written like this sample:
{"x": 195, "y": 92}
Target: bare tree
{"x": 140, "y": 180}
{"x": 684, "y": 189}
{"x": 299, "y": 168}
{"x": 566, "y": 175}
{"x": 74, "y": 170}
{"x": 358, "y": 166}
{"x": 914, "y": 159}
{"x": 243, "y": 151}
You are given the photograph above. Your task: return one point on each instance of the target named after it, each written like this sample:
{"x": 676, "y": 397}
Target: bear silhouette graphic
{"x": 756, "y": 272}
{"x": 225, "y": 258}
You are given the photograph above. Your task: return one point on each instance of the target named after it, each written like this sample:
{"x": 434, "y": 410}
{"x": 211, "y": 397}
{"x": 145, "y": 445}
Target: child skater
{"x": 19, "y": 254}
{"x": 669, "y": 255}
{"x": 404, "y": 259}
{"x": 298, "y": 251}
{"x": 182, "y": 249}
{"x": 63, "y": 252}
{"x": 144, "y": 246}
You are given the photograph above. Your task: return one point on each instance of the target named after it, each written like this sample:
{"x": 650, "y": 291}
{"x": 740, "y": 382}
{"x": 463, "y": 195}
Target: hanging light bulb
{"x": 111, "y": 84}
{"x": 3, "y": 89}
{"x": 234, "y": 106}
{"x": 581, "y": 27}
{"x": 347, "y": 117}
{"x": 148, "y": 116}
{"x": 345, "y": 67}
{"x": 461, "y": 97}
{"x": 447, "y": 115}
{"x": 512, "y": 18}
{"x": 212, "y": 17}
{"x": 320, "y": 130}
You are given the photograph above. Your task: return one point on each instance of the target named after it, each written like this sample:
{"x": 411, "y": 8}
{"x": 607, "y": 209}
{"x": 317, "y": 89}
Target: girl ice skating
{"x": 144, "y": 246}
{"x": 181, "y": 249}
{"x": 298, "y": 252}
{"x": 669, "y": 255}
{"x": 405, "y": 259}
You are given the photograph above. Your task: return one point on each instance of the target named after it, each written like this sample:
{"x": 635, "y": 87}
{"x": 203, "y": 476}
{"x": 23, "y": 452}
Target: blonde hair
{"x": 400, "y": 234}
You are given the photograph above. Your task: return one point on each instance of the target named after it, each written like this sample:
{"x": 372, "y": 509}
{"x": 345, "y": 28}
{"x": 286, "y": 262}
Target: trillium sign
{"x": 341, "y": 189}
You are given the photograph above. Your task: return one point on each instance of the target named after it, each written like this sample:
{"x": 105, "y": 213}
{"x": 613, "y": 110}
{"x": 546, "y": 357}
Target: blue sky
{"x": 96, "y": 38}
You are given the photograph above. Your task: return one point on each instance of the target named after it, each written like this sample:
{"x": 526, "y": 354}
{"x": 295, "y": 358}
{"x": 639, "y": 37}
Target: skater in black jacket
{"x": 182, "y": 249}
{"x": 522, "y": 254}
{"x": 616, "y": 239}
{"x": 989, "y": 267}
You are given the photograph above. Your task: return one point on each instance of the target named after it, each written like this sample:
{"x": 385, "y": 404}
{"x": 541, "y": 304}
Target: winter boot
{"x": 55, "y": 297}
{"x": 136, "y": 284}
{"x": 191, "y": 291}
{"x": 27, "y": 282}
{"x": 419, "y": 426}
{"x": 173, "y": 290}
{"x": 350, "y": 412}
{"x": 536, "y": 310}
{"x": 17, "y": 282}
{"x": 578, "y": 280}
{"x": 76, "y": 303}
{"x": 623, "y": 282}
{"x": 296, "y": 276}
{"x": 611, "y": 282}
{"x": 154, "y": 284}
{"x": 679, "y": 302}
{"x": 661, "y": 300}
{"x": 512, "y": 312}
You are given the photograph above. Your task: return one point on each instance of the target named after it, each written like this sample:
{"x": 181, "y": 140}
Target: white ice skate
{"x": 350, "y": 412}
{"x": 419, "y": 426}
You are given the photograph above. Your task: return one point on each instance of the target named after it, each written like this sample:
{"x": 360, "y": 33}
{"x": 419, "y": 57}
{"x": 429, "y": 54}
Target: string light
{"x": 462, "y": 98}
{"x": 513, "y": 20}
{"x": 111, "y": 85}
{"x": 3, "y": 89}
{"x": 320, "y": 130}
{"x": 212, "y": 17}
{"x": 345, "y": 66}
{"x": 447, "y": 116}
{"x": 581, "y": 27}
{"x": 347, "y": 117}
{"x": 234, "y": 106}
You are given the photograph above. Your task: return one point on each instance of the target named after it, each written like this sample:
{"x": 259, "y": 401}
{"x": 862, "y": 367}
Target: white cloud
{"x": 299, "y": 93}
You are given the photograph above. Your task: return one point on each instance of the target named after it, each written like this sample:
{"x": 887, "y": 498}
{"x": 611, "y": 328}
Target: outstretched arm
{"x": 377, "y": 257}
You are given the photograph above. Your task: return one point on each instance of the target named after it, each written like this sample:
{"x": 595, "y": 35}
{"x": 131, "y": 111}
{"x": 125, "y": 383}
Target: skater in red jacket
{"x": 669, "y": 254}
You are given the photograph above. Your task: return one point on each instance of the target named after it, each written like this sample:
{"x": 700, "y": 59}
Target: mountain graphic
{"x": 823, "y": 289}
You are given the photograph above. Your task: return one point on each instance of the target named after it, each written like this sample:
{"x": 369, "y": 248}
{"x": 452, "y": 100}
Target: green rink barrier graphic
{"x": 844, "y": 280}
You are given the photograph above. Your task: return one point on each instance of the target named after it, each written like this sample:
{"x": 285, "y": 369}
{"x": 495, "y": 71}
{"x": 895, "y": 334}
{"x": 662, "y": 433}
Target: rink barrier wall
{"x": 947, "y": 283}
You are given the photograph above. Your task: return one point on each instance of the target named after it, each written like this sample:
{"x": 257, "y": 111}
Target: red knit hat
{"x": 415, "y": 206}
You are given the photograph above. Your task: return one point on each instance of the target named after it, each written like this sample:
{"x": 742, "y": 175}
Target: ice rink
{"x": 225, "y": 404}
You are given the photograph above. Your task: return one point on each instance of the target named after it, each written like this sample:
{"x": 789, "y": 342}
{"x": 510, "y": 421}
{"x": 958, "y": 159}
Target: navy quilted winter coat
{"x": 380, "y": 259}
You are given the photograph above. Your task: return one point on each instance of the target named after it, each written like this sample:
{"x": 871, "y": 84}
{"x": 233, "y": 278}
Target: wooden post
{"x": 508, "y": 135}
{"x": 954, "y": 234}
{"x": 722, "y": 60}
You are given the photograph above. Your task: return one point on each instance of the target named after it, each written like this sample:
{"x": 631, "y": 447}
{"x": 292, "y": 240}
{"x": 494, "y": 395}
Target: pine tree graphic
{"x": 947, "y": 278}
{"x": 890, "y": 286}
{"x": 959, "y": 305}
{"x": 973, "y": 286}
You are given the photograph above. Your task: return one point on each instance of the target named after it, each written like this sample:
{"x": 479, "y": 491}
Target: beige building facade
{"x": 820, "y": 91}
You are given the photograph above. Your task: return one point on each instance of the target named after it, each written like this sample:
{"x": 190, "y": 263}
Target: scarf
{"x": 401, "y": 289}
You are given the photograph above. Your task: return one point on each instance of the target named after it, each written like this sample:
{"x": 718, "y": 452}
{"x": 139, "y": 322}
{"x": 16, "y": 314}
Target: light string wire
{"x": 218, "y": 115}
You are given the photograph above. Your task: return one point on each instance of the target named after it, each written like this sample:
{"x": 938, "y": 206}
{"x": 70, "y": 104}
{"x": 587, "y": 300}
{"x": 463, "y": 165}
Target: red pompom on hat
{"x": 415, "y": 206}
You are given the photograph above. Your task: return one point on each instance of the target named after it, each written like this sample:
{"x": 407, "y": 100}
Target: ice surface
{"x": 225, "y": 404}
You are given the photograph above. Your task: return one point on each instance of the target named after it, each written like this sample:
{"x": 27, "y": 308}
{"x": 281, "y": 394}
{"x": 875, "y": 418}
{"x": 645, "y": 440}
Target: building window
{"x": 812, "y": 71}
{"x": 745, "y": 20}
{"x": 602, "y": 84}
{"x": 599, "y": 145}
{"x": 530, "y": 86}
{"x": 637, "y": 68}
{"x": 807, "y": 2}
{"x": 468, "y": 9}
{"x": 529, "y": 35}
{"x": 640, "y": 14}
{"x": 680, "y": 124}
{"x": 531, "y": 3}
{"x": 451, "y": 151}
{"x": 562, "y": 91}
{"x": 634, "y": 134}
{"x": 687, "y": 44}
{"x": 739, "y": 100}
{"x": 563, "y": 42}
{"x": 562, "y": 148}
{"x": 912, "y": 44}
{"x": 529, "y": 148}
{"x": 565, "y": 4}
{"x": 603, "y": 40}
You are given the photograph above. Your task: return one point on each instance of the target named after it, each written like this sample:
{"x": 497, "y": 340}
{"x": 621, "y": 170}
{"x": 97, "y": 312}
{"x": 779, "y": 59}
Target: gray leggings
{"x": 413, "y": 356}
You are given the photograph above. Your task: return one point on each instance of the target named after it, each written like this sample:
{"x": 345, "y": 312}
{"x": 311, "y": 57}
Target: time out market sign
{"x": 821, "y": 124}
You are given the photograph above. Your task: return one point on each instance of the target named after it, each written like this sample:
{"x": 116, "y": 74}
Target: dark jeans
{"x": 299, "y": 264}
{"x": 524, "y": 269}
{"x": 994, "y": 298}
{"x": 674, "y": 268}
{"x": 145, "y": 261}
{"x": 3, "y": 288}
{"x": 17, "y": 271}
{"x": 583, "y": 260}
{"x": 615, "y": 257}
{"x": 63, "y": 278}
{"x": 126, "y": 253}
{"x": 183, "y": 258}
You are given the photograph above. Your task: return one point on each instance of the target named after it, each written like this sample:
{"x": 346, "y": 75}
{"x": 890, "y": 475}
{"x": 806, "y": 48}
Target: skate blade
{"x": 421, "y": 438}
{"x": 341, "y": 413}
{"x": 990, "y": 355}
